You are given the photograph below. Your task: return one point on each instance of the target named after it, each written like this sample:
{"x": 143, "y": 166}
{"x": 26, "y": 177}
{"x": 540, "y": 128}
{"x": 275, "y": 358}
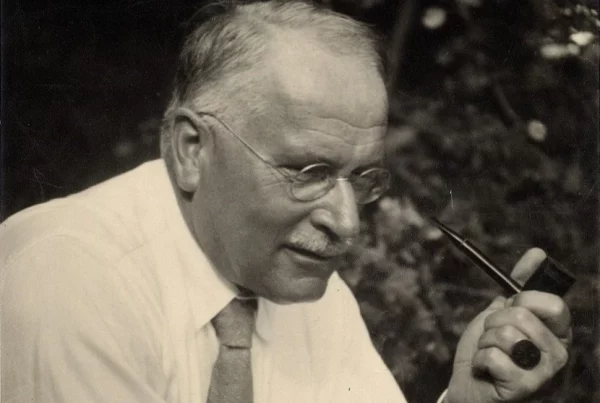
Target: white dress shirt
{"x": 106, "y": 297}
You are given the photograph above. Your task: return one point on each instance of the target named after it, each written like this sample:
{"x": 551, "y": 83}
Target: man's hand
{"x": 483, "y": 370}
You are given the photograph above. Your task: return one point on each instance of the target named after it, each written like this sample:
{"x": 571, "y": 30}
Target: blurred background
{"x": 494, "y": 130}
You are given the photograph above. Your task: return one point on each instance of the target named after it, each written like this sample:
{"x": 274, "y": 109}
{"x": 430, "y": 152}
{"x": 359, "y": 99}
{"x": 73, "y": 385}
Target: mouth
{"x": 308, "y": 254}
{"x": 312, "y": 255}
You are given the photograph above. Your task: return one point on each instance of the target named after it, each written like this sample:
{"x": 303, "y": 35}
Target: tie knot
{"x": 234, "y": 325}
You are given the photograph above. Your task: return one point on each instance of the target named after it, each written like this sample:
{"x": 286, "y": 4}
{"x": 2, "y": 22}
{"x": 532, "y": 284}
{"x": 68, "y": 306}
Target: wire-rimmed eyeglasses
{"x": 315, "y": 180}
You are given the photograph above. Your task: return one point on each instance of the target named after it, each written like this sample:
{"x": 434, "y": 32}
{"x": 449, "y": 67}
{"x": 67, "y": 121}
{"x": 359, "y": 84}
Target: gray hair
{"x": 219, "y": 62}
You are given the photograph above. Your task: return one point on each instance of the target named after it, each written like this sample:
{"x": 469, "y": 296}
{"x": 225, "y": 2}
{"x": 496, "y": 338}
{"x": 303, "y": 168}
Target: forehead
{"x": 328, "y": 104}
{"x": 327, "y": 139}
{"x": 346, "y": 86}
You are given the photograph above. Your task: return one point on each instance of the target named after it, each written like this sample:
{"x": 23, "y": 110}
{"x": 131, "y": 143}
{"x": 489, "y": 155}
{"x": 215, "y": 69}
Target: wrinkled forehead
{"x": 334, "y": 142}
{"x": 320, "y": 127}
{"x": 310, "y": 88}
{"x": 308, "y": 75}
{"x": 333, "y": 139}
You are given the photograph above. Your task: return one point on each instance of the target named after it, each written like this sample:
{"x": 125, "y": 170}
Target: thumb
{"x": 528, "y": 263}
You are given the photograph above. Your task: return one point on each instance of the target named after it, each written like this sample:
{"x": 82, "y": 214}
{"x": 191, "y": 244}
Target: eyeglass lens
{"x": 316, "y": 180}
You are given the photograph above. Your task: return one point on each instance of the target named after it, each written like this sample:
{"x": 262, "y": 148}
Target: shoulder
{"x": 63, "y": 292}
{"x": 67, "y": 312}
{"x": 77, "y": 285}
{"x": 50, "y": 247}
{"x": 61, "y": 273}
{"x": 113, "y": 213}
{"x": 71, "y": 252}
{"x": 48, "y": 229}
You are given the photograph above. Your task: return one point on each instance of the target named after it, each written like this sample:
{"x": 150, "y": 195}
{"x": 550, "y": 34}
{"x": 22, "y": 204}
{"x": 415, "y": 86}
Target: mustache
{"x": 323, "y": 247}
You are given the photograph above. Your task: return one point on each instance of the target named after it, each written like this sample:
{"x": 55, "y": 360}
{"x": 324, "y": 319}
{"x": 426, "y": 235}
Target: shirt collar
{"x": 208, "y": 291}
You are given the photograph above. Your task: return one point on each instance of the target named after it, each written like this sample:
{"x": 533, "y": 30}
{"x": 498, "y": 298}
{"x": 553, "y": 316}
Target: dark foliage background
{"x": 494, "y": 130}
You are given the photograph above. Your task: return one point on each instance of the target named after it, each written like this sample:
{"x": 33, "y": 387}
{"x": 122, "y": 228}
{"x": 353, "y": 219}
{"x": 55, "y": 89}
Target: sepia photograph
{"x": 328, "y": 201}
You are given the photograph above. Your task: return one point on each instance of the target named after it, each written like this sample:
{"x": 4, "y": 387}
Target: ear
{"x": 188, "y": 139}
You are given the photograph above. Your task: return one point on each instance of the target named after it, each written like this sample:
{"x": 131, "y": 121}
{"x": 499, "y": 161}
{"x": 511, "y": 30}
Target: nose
{"x": 338, "y": 213}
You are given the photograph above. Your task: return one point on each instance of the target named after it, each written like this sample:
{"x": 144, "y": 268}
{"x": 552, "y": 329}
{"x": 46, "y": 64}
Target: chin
{"x": 304, "y": 290}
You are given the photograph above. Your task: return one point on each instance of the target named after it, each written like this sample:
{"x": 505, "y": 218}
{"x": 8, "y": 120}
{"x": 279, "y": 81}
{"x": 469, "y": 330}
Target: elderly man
{"x": 209, "y": 275}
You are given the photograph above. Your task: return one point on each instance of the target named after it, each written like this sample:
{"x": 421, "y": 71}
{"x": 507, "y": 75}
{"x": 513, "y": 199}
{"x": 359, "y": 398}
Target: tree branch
{"x": 403, "y": 25}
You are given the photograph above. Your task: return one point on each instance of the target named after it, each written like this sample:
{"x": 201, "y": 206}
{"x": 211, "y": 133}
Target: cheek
{"x": 253, "y": 202}
{"x": 270, "y": 218}
{"x": 254, "y": 208}
{"x": 242, "y": 178}
{"x": 260, "y": 198}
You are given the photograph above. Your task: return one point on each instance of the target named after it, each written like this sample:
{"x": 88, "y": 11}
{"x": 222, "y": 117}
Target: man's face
{"x": 322, "y": 108}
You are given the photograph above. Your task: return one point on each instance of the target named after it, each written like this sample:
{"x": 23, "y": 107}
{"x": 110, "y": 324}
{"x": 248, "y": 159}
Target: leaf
{"x": 433, "y": 17}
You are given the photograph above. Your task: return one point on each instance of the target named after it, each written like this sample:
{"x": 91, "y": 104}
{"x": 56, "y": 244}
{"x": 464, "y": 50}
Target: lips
{"x": 322, "y": 254}
{"x": 309, "y": 253}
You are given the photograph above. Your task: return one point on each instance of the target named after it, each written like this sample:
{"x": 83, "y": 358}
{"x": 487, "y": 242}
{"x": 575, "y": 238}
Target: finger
{"x": 524, "y": 320}
{"x": 528, "y": 263}
{"x": 504, "y": 338}
{"x": 497, "y": 303}
{"x": 493, "y": 362}
{"x": 507, "y": 376}
{"x": 551, "y": 309}
{"x": 553, "y": 350}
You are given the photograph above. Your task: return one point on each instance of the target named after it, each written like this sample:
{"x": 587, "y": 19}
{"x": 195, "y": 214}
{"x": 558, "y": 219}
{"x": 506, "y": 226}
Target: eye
{"x": 372, "y": 182}
{"x": 315, "y": 173}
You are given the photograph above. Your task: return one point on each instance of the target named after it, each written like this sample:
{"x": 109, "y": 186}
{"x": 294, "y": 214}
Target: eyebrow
{"x": 307, "y": 157}
{"x": 297, "y": 150}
